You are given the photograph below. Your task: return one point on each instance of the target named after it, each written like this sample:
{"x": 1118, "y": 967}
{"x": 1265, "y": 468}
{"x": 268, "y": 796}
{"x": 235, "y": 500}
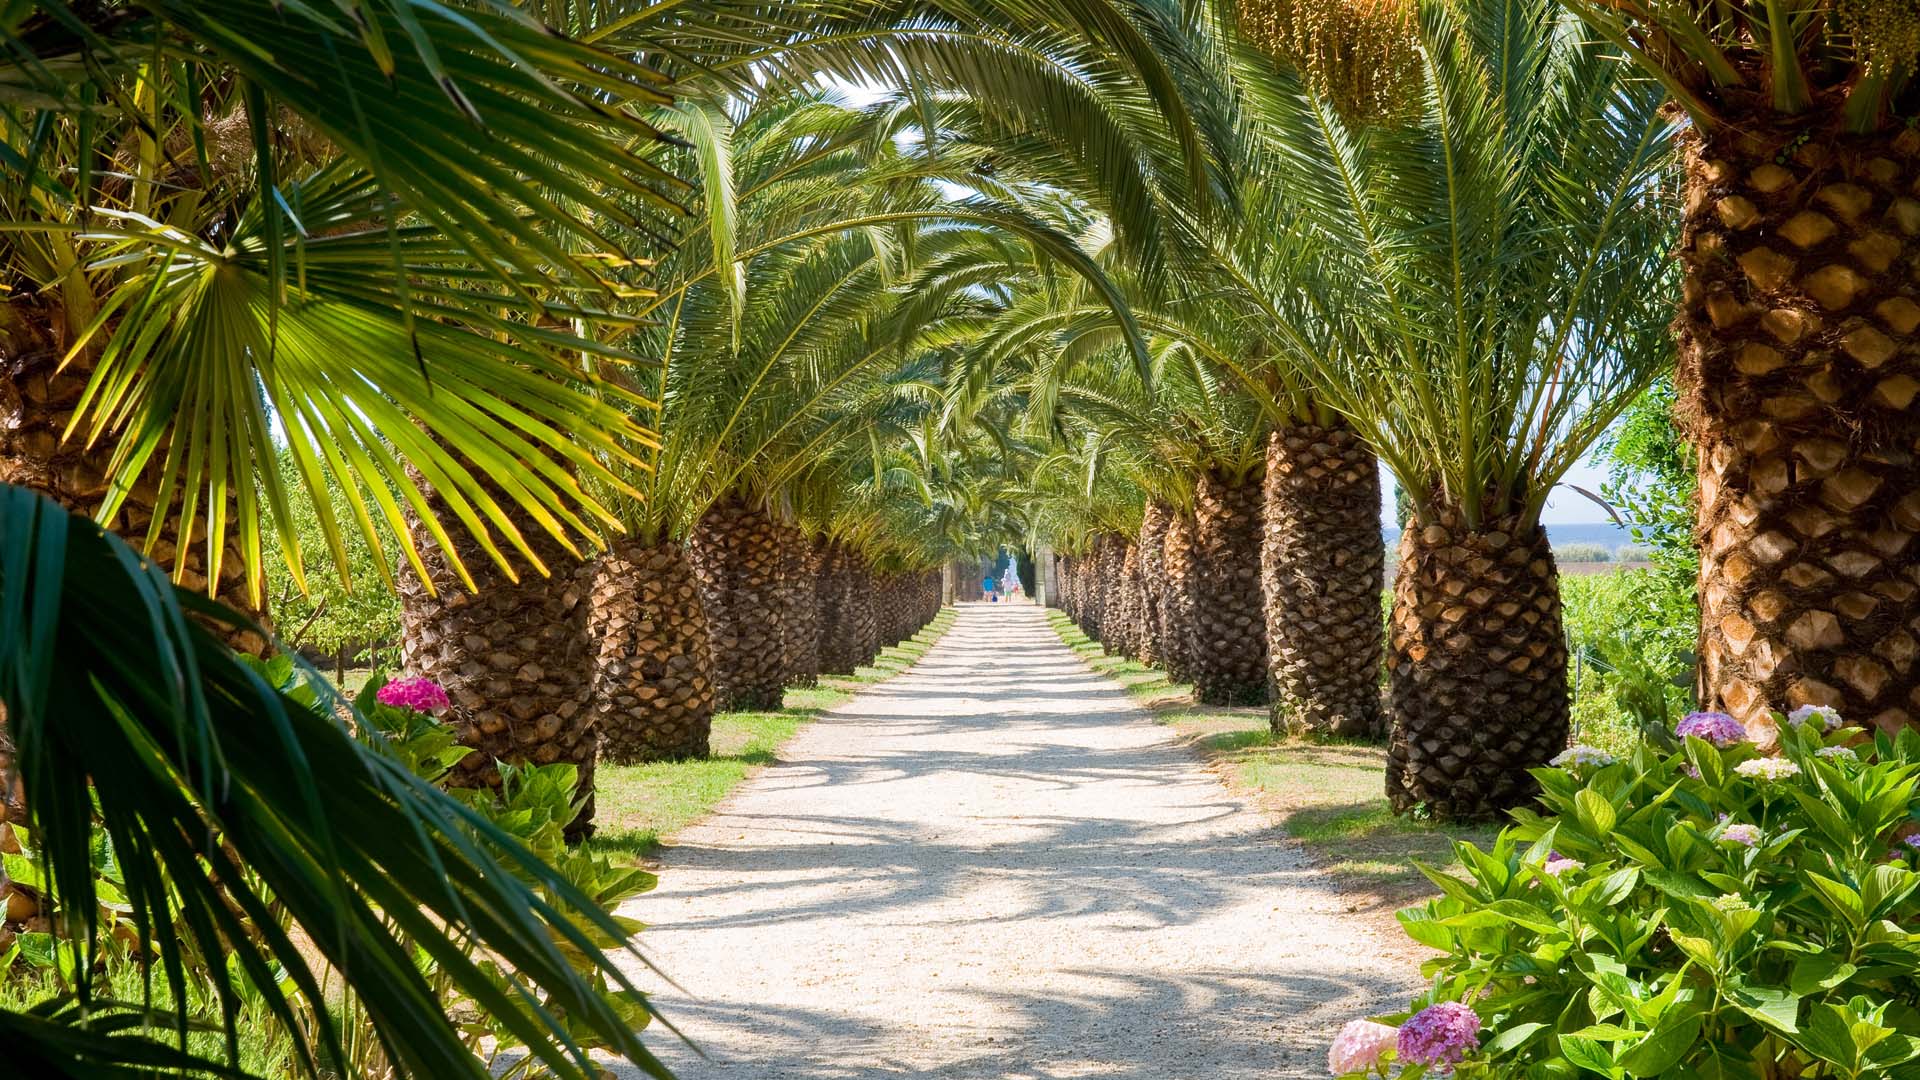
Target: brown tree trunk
{"x": 736, "y": 556}
{"x": 1478, "y": 672}
{"x": 1177, "y": 632}
{"x": 37, "y": 400}
{"x": 1230, "y": 635}
{"x": 516, "y": 658}
{"x": 800, "y": 582}
{"x": 847, "y": 630}
{"x": 653, "y": 683}
{"x": 1799, "y": 375}
{"x": 1153, "y": 583}
{"x": 1321, "y": 572}
{"x": 1115, "y": 625}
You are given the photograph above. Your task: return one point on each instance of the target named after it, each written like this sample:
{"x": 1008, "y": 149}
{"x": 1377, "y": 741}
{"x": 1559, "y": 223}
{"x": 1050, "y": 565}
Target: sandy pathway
{"x": 994, "y": 866}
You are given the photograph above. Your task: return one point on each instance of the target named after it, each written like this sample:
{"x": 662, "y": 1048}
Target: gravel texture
{"x": 995, "y": 866}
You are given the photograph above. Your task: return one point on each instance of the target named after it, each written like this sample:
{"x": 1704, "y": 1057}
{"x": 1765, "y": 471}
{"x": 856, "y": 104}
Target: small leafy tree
{"x": 345, "y": 611}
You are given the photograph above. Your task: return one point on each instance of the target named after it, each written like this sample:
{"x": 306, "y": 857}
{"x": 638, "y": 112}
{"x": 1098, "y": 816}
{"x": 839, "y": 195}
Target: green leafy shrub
{"x": 1694, "y": 910}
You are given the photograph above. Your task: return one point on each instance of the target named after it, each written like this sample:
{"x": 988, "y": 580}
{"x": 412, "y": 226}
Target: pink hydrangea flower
{"x": 1560, "y": 864}
{"x": 1716, "y": 727}
{"x": 420, "y": 695}
{"x": 1358, "y": 1047}
{"x": 1439, "y": 1036}
{"x": 1745, "y": 835}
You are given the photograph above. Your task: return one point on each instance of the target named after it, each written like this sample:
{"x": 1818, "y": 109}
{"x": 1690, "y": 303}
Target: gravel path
{"x": 995, "y": 866}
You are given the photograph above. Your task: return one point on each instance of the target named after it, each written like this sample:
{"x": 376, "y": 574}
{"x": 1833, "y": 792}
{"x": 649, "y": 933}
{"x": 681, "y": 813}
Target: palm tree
{"x": 1797, "y": 331}
{"x": 1474, "y": 286}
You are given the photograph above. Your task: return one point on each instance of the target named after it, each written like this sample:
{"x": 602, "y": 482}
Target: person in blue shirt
{"x": 986, "y": 586}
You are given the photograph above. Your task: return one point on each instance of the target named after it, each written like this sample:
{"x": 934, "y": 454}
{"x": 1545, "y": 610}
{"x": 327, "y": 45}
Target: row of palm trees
{"x": 1452, "y": 249}
{"x": 524, "y": 283}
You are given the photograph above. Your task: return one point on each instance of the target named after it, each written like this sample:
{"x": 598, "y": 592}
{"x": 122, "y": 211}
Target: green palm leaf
{"x": 222, "y": 796}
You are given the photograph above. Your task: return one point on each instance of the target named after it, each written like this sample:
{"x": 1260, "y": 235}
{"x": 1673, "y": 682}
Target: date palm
{"x": 1474, "y": 282}
{"x": 1799, "y": 316}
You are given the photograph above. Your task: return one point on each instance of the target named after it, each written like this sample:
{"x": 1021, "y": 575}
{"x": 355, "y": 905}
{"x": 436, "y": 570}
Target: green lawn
{"x": 1328, "y": 795}
{"x": 639, "y": 807}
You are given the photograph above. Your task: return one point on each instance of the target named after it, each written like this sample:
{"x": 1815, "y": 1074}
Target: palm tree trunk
{"x": 847, "y": 630}
{"x": 1320, "y": 570}
{"x": 737, "y": 558}
{"x": 515, "y": 657}
{"x": 1114, "y": 625}
{"x": 800, "y": 583}
{"x": 1133, "y": 601}
{"x": 653, "y": 682}
{"x": 1801, "y": 391}
{"x": 1153, "y": 585}
{"x": 1178, "y": 632}
{"x": 1478, "y": 671}
{"x": 37, "y": 400}
{"x": 1230, "y": 644}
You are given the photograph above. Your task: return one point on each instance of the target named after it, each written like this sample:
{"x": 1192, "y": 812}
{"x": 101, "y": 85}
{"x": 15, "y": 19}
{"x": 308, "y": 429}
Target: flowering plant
{"x": 1694, "y": 909}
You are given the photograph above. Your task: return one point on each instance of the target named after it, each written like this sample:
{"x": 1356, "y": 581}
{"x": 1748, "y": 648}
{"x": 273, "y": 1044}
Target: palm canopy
{"x": 1479, "y": 289}
{"x": 1725, "y": 62}
{"x": 359, "y": 234}
{"x": 827, "y": 263}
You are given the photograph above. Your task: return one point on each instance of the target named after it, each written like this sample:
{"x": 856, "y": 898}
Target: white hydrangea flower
{"x": 1582, "y": 756}
{"x": 1826, "y": 716}
{"x": 1844, "y": 753}
{"x": 1767, "y": 768}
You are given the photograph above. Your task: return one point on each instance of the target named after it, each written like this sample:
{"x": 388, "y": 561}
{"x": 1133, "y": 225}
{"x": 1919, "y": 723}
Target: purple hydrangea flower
{"x": 1745, "y": 835}
{"x": 1716, "y": 727}
{"x": 1912, "y": 840}
{"x": 1440, "y": 1035}
{"x": 420, "y": 695}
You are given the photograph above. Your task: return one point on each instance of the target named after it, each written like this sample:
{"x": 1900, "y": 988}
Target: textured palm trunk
{"x": 1321, "y": 573}
{"x": 37, "y": 400}
{"x": 1131, "y": 600}
{"x": 516, "y": 658}
{"x": 653, "y": 682}
{"x": 1115, "y": 627}
{"x": 1092, "y": 596}
{"x": 846, "y": 611}
{"x": 1153, "y": 585}
{"x": 1478, "y": 671}
{"x": 800, "y": 582}
{"x": 895, "y": 606}
{"x": 1177, "y": 631}
{"x": 1229, "y": 656}
{"x": 1799, "y": 375}
{"x": 737, "y": 558}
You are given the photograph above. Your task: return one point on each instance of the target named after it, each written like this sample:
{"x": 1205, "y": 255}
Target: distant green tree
{"x": 343, "y": 620}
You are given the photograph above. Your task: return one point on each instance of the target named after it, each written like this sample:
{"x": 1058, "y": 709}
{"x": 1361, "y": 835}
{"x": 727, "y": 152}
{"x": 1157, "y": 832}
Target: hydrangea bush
{"x": 1698, "y": 908}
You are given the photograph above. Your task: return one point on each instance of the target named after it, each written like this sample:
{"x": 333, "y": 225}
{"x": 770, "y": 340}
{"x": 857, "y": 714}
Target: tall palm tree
{"x": 1798, "y": 323}
{"x": 1474, "y": 284}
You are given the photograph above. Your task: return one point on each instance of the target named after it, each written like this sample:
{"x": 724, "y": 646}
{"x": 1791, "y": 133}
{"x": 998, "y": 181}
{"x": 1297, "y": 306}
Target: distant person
{"x": 1011, "y": 583}
{"x": 986, "y": 586}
